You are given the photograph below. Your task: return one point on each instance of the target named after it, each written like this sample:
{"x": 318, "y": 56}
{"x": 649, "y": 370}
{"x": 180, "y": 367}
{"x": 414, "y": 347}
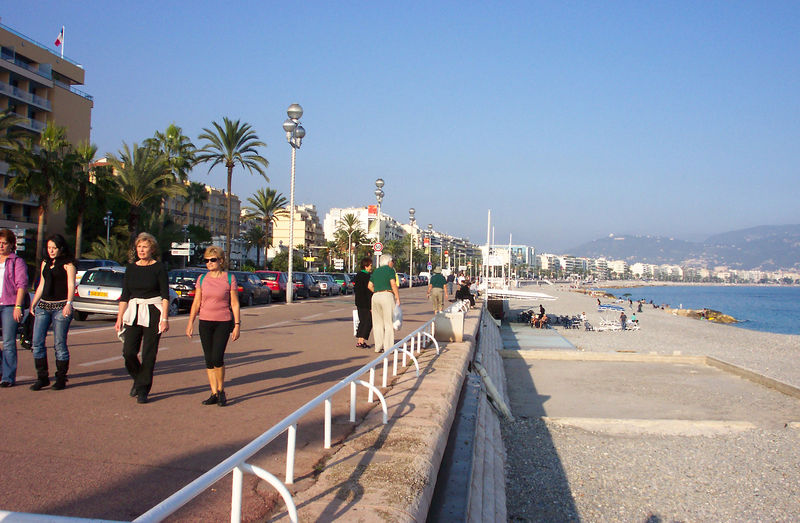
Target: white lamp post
{"x": 109, "y": 221}
{"x": 294, "y": 135}
{"x": 379, "y": 196}
{"x": 412, "y": 221}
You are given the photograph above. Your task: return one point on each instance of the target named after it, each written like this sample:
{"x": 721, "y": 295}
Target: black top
{"x": 55, "y": 280}
{"x": 145, "y": 281}
{"x": 361, "y": 291}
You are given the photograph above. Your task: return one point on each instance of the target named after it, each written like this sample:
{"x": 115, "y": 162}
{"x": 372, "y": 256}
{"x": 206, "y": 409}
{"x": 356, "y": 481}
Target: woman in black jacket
{"x": 363, "y": 303}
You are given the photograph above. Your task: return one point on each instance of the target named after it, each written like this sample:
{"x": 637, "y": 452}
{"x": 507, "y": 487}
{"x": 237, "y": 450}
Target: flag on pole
{"x": 60, "y": 37}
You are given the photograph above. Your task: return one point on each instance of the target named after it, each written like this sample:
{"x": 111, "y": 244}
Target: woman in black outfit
{"x": 143, "y": 309}
{"x": 363, "y": 303}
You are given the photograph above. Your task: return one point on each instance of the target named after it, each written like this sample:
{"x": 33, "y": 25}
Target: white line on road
{"x": 98, "y": 362}
{"x": 273, "y": 324}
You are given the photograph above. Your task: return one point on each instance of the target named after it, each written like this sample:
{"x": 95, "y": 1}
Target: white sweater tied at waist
{"x": 138, "y": 308}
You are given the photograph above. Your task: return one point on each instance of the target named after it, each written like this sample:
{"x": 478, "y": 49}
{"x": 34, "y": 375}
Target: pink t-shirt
{"x": 216, "y": 298}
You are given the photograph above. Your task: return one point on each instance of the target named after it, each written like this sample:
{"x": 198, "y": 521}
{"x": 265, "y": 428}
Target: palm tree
{"x": 143, "y": 177}
{"x": 85, "y": 154}
{"x": 10, "y": 134}
{"x": 255, "y": 237}
{"x": 42, "y": 172}
{"x": 267, "y": 206}
{"x": 196, "y": 193}
{"x": 349, "y": 232}
{"x": 178, "y": 148}
{"x": 234, "y": 143}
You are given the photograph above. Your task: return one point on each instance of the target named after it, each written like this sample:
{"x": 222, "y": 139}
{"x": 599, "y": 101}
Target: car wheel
{"x": 80, "y": 315}
{"x": 173, "y": 309}
{"x": 269, "y": 298}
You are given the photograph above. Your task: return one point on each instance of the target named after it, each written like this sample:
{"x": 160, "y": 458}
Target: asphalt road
{"x": 92, "y": 451}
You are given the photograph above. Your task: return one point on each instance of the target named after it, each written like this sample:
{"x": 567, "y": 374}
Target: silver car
{"x": 327, "y": 285}
{"x": 100, "y": 289}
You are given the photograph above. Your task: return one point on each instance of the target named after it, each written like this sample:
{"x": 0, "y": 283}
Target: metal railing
{"x": 237, "y": 463}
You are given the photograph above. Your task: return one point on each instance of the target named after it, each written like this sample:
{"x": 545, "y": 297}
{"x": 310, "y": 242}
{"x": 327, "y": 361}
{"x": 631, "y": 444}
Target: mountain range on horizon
{"x": 766, "y": 248}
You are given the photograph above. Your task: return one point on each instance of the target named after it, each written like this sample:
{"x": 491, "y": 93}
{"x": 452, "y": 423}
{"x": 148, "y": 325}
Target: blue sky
{"x": 569, "y": 120}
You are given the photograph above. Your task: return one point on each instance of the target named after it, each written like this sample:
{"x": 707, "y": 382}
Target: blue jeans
{"x": 60, "y": 327}
{"x": 9, "y": 344}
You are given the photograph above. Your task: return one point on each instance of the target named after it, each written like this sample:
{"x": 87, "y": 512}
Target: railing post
{"x": 236, "y": 495}
{"x": 370, "y": 397}
{"x": 352, "y": 401}
{"x": 405, "y": 348}
{"x": 327, "y": 423}
{"x": 291, "y": 442}
{"x": 394, "y": 368}
{"x": 419, "y": 342}
{"x": 385, "y": 373}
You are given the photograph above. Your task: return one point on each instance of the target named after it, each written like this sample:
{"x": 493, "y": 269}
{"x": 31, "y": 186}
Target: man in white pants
{"x": 383, "y": 283}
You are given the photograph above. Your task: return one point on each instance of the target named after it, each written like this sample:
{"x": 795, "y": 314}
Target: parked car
{"x": 276, "y": 281}
{"x": 402, "y": 279}
{"x": 304, "y": 285}
{"x": 416, "y": 281}
{"x": 344, "y": 280}
{"x": 84, "y": 264}
{"x": 423, "y": 279}
{"x": 100, "y": 289}
{"x": 251, "y": 289}
{"x": 327, "y": 285}
{"x": 184, "y": 281}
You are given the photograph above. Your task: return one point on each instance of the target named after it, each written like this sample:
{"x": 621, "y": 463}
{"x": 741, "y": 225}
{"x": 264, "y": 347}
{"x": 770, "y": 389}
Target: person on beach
{"x": 52, "y": 305}
{"x": 216, "y": 301}
{"x": 383, "y": 284}
{"x": 437, "y": 290}
{"x": 143, "y": 313}
{"x": 634, "y": 319}
{"x": 363, "y": 299}
{"x": 13, "y": 288}
{"x": 623, "y": 320}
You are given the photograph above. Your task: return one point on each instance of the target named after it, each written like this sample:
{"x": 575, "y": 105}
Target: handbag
{"x": 26, "y": 332}
{"x": 355, "y": 322}
{"x": 397, "y": 317}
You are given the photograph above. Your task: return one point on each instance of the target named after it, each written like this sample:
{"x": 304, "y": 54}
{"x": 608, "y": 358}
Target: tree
{"x": 348, "y": 232}
{"x": 281, "y": 260}
{"x": 116, "y": 248}
{"x": 42, "y": 171}
{"x": 235, "y": 143}
{"x": 85, "y": 155}
{"x": 178, "y": 149}
{"x": 10, "y": 134}
{"x": 195, "y": 193}
{"x": 267, "y": 206}
{"x": 143, "y": 177}
{"x": 255, "y": 237}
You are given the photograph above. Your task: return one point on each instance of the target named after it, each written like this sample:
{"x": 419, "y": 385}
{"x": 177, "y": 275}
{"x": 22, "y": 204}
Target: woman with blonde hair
{"x": 216, "y": 301}
{"x": 143, "y": 313}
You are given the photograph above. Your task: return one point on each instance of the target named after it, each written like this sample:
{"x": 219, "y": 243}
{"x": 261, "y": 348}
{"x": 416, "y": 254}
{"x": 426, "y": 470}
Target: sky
{"x": 568, "y": 120}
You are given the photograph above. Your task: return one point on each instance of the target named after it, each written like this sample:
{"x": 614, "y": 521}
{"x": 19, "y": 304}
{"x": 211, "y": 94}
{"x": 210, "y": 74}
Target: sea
{"x": 757, "y": 307}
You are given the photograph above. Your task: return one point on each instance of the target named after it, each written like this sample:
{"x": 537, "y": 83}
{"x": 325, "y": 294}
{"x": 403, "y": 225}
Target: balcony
{"x": 74, "y": 90}
{"x": 19, "y": 94}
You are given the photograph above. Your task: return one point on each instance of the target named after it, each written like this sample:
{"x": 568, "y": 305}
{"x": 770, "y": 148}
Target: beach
{"x": 660, "y": 463}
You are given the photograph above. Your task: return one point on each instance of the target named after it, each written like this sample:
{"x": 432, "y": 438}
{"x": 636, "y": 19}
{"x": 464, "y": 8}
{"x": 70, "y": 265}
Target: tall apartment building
{"x": 390, "y": 229}
{"x": 307, "y": 229}
{"x": 39, "y": 86}
{"x": 211, "y": 214}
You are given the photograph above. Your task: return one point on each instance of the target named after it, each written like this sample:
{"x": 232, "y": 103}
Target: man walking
{"x": 437, "y": 291}
{"x": 451, "y": 278}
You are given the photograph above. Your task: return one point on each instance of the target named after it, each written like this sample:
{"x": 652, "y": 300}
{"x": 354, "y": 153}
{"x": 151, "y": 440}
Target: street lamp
{"x": 109, "y": 221}
{"x": 430, "y": 241}
{"x": 294, "y": 135}
{"x": 379, "y": 196}
{"x": 413, "y": 222}
{"x": 349, "y": 247}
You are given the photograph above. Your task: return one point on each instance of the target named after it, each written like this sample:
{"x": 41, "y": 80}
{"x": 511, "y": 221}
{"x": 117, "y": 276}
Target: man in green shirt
{"x": 383, "y": 283}
{"x": 437, "y": 290}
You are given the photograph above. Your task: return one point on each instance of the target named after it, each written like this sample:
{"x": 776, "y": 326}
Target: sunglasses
{"x": 211, "y": 260}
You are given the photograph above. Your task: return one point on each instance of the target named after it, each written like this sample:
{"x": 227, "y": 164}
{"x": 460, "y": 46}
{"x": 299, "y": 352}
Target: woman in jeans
{"x": 143, "y": 313}
{"x": 54, "y": 300}
{"x": 13, "y": 286}
{"x": 216, "y": 300}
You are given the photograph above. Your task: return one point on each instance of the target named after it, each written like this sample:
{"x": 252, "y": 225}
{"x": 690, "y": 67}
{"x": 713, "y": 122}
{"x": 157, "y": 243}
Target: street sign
{"x": 185, "y": 245}
{"x": 20, "y": 248}
{"x": 446, "y": 253}
{"x": 338, "y": 263}
{"x": 309, "y": 258}
{"x": 430, "y": 266}
{"x": 378, "y": 247}
{"x": 180, "y": 252}
{"x": 426, "y": 242}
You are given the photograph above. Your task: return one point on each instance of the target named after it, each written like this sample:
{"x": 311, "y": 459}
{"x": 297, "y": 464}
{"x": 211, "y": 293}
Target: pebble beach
{"x": 595, "y": 475}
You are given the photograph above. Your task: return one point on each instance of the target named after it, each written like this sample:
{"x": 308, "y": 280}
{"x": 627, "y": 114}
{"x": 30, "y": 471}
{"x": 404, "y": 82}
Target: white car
{"x": 84, "y": 264}
{"x": 100, "y": 289}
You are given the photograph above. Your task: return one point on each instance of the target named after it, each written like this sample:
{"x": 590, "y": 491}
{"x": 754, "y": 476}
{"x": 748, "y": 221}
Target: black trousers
{"x": 364, "y": 323}
{"x": 214, "y": 338}
{"x": 145, "y": 339}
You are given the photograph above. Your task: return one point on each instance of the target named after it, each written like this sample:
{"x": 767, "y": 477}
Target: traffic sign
{"x": 430, "y": 266}
{"x": 338, "y": 263}
{"x": 446, "y": 253}
{"x": 378, "y": 247}
{"x": 185, "y": 245}
{"x": 180, "y": 252}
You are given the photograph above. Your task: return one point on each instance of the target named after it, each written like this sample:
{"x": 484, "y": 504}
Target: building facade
{"x": 38, "y": 86}
{"x": 307, "y": 229}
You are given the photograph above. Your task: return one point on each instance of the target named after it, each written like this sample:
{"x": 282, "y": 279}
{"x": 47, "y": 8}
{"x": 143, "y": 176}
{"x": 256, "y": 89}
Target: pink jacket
{"x": 16, "y": 277}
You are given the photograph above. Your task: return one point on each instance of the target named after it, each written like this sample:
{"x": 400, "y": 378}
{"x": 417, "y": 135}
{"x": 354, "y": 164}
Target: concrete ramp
{"x": 519, "y": 336}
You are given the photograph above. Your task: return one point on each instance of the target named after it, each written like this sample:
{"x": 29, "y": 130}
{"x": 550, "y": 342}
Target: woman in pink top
{"x": 216, "y": 300}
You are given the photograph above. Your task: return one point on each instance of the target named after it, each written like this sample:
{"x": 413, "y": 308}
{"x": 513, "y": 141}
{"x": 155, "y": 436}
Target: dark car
{"x": 183, "y": 281}
{"x": 276, "y": 281}
{"x": 304, "y": 285}
{"x": 251, "y": 289}
{"x": 344, "y": 280}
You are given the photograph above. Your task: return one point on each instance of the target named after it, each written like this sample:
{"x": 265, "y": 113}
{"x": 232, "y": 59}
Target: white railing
{"x": 236, "y": 463}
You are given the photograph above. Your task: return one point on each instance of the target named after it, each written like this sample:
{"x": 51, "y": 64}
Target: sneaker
{"x": 221, "y": 399}
{"x": 212, "y": 400}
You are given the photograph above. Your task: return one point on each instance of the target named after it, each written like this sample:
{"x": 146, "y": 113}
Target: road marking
{"x": 99, "y": 362}
{"x": 273, "y": 324}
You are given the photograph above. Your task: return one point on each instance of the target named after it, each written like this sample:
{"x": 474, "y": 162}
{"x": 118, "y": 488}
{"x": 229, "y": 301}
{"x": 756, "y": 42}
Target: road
{"x": 92, "y": 451}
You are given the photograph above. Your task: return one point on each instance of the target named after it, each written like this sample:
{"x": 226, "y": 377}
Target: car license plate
{"x": 179, "y": 293}
{"x": 104, "y": 294}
